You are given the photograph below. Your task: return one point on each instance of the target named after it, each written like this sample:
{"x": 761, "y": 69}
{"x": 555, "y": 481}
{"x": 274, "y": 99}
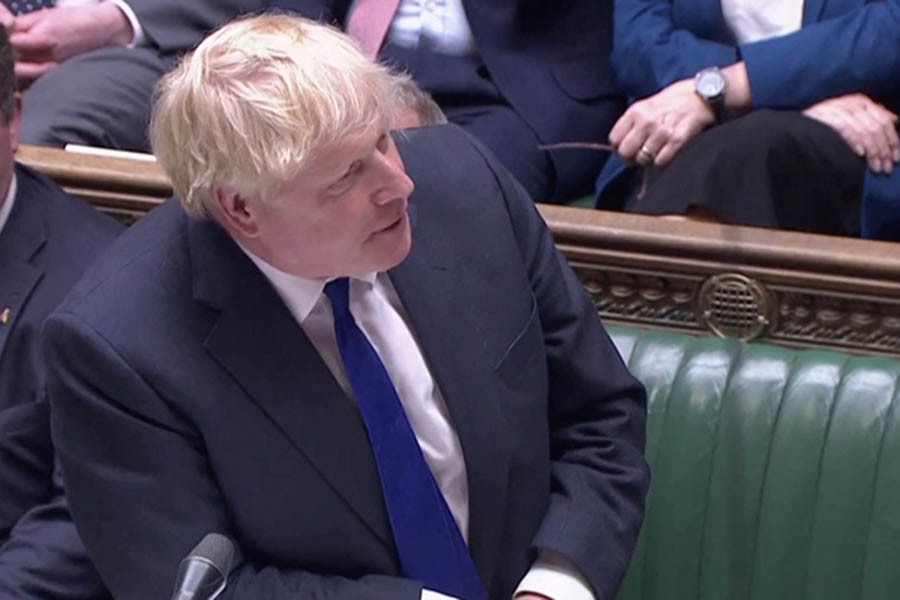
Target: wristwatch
{"x": 710, "y": 85}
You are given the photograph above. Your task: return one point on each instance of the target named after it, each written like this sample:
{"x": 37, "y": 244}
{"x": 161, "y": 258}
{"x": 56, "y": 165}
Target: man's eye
{"x": 382, "y": 143}
{"x": 353, "y": 170}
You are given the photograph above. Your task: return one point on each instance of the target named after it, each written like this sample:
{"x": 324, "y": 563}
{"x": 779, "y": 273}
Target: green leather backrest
{"x": 775, "y": 472}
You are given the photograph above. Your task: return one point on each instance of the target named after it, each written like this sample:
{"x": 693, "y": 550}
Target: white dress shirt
{"x": 754, "y": 20}
{"x": 439, "y": 24}
{"x": 7, "y": 206}
{"x": 378, "y": 312}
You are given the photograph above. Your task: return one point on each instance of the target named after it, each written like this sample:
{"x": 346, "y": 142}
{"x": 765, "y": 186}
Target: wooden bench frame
{"x": 785, "y": 287}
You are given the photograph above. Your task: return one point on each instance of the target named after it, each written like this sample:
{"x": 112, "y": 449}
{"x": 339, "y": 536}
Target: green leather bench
{"x": 775, "y": 472}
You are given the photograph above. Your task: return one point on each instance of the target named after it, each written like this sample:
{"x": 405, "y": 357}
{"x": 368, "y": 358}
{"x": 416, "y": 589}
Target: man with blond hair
{"x": 375, "y": 392}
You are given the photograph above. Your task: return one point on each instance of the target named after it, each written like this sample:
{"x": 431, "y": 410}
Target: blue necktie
{"x": 429, "y": 543}
{"x": 20, "y": 7}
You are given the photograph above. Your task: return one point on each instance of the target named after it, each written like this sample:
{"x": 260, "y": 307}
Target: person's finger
{"x": 656, "y": 141}
{"x": 842, "y": 122}
{"x": 30, "y": 41}
{"x": 6, "y": 17}
{"x": 27, "y": 21}
{"x": 682, "y": 132}
{"x": 876, "y": 141}
{"x": 621, "y": 128}
{"x": 888, "y": 120}
{"x": 643, "y": 123}
{"x": 631, "y": 144}
{"x": 28, "y": 71}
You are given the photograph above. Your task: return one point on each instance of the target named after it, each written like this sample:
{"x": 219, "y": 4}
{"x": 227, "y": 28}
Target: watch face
{"x": 710, "y": 83}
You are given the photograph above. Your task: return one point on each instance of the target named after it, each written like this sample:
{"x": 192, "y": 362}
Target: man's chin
{"x": 392, "y": 244}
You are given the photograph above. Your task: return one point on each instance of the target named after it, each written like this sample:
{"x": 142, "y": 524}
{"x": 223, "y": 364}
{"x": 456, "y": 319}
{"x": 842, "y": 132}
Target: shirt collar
{"x": 300, "y": 294}
{"x": 6, "y": 207}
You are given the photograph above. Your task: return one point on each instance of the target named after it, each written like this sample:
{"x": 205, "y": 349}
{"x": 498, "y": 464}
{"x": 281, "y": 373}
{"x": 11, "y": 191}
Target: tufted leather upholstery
{"x": 776, "y": 472}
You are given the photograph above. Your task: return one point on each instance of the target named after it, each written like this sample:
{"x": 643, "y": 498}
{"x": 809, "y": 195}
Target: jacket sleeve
{"x": 173, "y": 27}
{"x": 140, "y": 486}
{"x": 44, "y": 556}
{"x": 597, "y": 413}
{"x": 650, "y": 51}
{"x": 26, "y": 456}
{"x": 856, "y": 52}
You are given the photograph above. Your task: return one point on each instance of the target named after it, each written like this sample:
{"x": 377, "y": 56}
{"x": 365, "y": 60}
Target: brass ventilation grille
{"x": 732, "y": 305}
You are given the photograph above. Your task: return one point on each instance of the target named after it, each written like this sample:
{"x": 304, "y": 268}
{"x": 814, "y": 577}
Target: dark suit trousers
{"x": 100, "y": 98}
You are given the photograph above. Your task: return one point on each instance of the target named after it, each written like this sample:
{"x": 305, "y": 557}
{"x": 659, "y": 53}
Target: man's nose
{"x": 395, "y": 183}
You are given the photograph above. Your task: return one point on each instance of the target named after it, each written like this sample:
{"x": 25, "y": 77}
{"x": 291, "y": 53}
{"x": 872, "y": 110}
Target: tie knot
{"x": 338, "y": 291}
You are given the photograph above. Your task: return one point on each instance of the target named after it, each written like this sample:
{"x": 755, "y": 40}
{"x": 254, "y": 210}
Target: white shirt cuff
{"x": 432, "y": 595}
{"x": 555, "y": 576}
{"x": 139, "y": 38}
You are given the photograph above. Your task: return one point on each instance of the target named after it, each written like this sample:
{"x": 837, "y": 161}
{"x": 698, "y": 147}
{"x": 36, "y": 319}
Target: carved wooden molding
{"x": 807, "y": 290}
{"x": 826, "y": 291}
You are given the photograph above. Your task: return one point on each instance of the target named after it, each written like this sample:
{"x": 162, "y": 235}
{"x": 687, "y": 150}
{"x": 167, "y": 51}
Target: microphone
{"x": 203, "y": 573}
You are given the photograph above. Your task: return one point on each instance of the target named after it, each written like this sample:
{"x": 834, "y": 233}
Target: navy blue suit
{"x": 45, "y": 246}
{"x": 844, "y": 46}
{"x": 549, "y": 62}
{"x": 187, "y": 400}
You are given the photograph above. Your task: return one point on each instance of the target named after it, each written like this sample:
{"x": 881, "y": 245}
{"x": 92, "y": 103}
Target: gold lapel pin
{"x": 4, "y": 316}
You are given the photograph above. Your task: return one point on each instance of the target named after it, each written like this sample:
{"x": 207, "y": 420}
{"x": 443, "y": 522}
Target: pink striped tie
{"x": 369, "y": 23}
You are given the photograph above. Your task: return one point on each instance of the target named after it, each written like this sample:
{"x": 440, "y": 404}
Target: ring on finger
{"x": 646, "y": 153}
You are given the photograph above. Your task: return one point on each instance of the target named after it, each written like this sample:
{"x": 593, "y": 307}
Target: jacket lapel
{"x": 18, "y": 280}
{"x": 261, "y": 345}
{"x": 428, "y": 282}
{"x": 21, "y": 240}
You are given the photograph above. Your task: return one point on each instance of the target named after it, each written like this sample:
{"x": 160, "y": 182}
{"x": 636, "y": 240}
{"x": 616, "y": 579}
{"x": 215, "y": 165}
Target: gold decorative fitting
{"x": 732, "y": 305}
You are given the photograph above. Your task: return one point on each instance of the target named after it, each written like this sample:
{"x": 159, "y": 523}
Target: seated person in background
{"x": 822, "y": 159}
{"x": 46, "y": 240}
{"x": 513, "y": 74}
{"x": 416, "y": 107}
{"x": 376, "y": 393}
{"x": 90, "y": 65}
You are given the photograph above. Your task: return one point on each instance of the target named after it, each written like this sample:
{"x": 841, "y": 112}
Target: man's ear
{"x": 15, "y": 119}
{"x": 236, "y": 212}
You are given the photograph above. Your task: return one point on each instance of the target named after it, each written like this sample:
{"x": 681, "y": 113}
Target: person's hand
{"x": 653, "y": 130}
{"x": 45, "y": 38}
{"x": 868, "y": 128}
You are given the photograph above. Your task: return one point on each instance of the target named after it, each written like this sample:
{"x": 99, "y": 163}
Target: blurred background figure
{"x": 821, "y": 159}
{"x": 46, "y": 240}
{"x": 417, "y": 107}
{"x": 514, "y": 74}
{"x": 89, "y": 66}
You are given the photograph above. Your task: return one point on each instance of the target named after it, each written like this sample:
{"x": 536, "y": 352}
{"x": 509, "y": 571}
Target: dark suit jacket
{"x": 187, "y": 400}
{"x": 549, "y": 60}
{"x": 45, "y": 246}
{"x": 173, "y": 27}
{"x": 844, "y": 46}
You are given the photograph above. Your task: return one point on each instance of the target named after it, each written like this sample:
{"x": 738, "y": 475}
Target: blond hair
{"x": 246, "y": 109}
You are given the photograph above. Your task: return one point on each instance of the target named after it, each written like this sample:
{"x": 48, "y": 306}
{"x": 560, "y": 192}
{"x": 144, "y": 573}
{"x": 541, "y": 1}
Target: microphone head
{"x": 203, "y": 573}
{"x": 216, "y": 549}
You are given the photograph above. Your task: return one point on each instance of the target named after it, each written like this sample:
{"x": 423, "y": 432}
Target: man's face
{"x": 344, "y": 214}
